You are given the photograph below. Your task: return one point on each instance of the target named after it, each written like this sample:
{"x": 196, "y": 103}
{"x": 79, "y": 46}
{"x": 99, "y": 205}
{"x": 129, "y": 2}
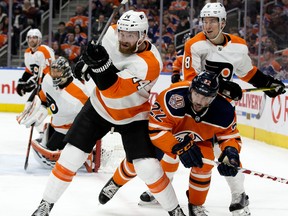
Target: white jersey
{"x": 127, "y": 100}
{"x": 64, "y": 103}
{"x": 41, "y": 58}
{"x": 228, "y": 59}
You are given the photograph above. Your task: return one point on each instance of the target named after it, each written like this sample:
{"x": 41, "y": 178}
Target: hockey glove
{"x": 175, "y": 77}
{"x": 260, "y": 80}
{"x": 78, "y": 73}
{"x": 190, "y": 154}
{"x": 96, "y": 57}
{"x": 279, "y": 87}
{"x": 230, "y": 90}
{"x": 229, "y": 162}
{"x": 35, "y": 115}
{"x": 26, "y": 86}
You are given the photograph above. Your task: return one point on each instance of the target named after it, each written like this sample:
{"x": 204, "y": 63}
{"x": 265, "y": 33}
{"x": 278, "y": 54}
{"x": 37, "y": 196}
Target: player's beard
{"x": 126, "y": 48}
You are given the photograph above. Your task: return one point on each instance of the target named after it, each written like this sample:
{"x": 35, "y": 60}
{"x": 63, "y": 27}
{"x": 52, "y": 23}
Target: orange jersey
{"x": 229, "y": 59}
{"x": 81, "y": 20}
{"x": 177, "y": 64}
{"x": 41, "y": 58}
{"x": 72, "y": 51}
{"x": 171, "y": 119}
{"x": 127, "y": 99}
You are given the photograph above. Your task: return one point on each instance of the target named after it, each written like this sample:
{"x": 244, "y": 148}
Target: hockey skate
{"x": 44, "y": 209}
{"x": 239, "y": 205}
{"x": 148, "y": 200}
{"x": 197, "y": 210}
{"x": 176, "y": 212}
{"x": 108, "y": 191}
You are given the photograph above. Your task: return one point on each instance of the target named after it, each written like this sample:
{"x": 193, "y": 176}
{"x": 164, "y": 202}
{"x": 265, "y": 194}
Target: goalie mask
{"x": 60, "y": 71}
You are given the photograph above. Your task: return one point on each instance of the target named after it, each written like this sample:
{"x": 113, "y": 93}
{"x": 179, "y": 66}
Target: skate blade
{"x": 152, "y": 204}
{"x": 242, "y": 212}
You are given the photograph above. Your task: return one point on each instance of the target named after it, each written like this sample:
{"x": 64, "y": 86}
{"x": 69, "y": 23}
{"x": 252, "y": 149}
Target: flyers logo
{"x": 207, "y": 82}
{"x": 225, "y": 69}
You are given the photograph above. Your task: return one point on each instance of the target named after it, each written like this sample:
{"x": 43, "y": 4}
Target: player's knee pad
{"x": 72, "y": 157}
{"x": 44, "y": 156}
{"x": 148, "y": 169}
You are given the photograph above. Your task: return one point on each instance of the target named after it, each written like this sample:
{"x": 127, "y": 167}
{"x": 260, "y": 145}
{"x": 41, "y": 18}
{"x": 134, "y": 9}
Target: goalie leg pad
{"x": 44, "y": 156}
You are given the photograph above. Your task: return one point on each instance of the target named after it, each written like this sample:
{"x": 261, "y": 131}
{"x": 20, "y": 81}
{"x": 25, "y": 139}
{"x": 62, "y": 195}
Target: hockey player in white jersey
{"x": 36, "y": 57}
{"x": 124, "y": 68}
{"x": 65, "y": 96}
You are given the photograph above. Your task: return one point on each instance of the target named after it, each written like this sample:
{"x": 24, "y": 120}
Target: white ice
{"x": 21, "y": 191}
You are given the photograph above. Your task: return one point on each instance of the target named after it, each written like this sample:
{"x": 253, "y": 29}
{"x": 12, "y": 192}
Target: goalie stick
{"x": 249, "y": 172}
{"x": 32, "y": 126}
{"x": 115, "y": 11}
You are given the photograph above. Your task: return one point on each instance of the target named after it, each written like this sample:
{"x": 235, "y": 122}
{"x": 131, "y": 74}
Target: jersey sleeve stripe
{"x": 76, "y": 92}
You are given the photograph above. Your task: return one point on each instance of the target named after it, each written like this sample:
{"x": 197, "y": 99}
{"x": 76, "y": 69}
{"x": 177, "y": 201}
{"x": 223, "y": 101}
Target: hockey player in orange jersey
{"x": 183, "y": 121}
{"x": 124, "y": 68}
{"x": 65, "y": 96}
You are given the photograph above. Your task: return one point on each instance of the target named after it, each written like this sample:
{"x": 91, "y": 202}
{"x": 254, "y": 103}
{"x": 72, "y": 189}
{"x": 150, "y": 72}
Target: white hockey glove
{"x": 35, "y": 115}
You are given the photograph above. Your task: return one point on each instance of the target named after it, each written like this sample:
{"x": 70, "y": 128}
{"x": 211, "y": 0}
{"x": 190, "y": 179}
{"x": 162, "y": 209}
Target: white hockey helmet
{"x": 133, "y": 21}
{"x": 215, "y": 9}
{"x": 34, "y": 32}
{"x": 61, "y": 65}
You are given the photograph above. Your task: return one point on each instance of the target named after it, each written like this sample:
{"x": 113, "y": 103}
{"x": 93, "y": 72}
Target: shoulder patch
{"x": 176, "y": 101}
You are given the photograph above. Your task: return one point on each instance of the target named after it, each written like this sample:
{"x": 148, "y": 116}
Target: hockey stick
{"x": 115, "y": 11}
{"x": 259, "y": 89}
{"x": 249, "y": 172}
{"x": 32, "y": 126}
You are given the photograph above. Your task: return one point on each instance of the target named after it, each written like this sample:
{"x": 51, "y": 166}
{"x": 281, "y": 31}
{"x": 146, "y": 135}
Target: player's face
{"x": 127, "y": 41}
{"x": 200, "y": 101}
{"x": 33, "y": 41}
{"x": 211, "y": 27}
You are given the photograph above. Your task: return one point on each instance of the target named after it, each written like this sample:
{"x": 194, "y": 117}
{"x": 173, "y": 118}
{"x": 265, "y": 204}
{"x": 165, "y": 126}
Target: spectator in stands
{"x": 57, "y": 50}
{"x": 167, "y": 38}
{"x": 182, "y": 26}
{"x": 2, "y": 15}
{"x": 19, "y": 22}
{"x": 170, "y": 27}
{"x": 71, "y": 48}
{"x": 80, "y": 18}
{"x": 80, "y": 35}
{"x": 152, "y": 28}
{"x": 101, "y": 7}
{"x": 269, "y": 65}
{"x": 283, "y": 74}
{"x": 32, "y": 13}
{"x": 98, "y": 26}
{"x": 178, "y": 5}
{"x": 169, "y": 58}
{"x": 61, "y": 33}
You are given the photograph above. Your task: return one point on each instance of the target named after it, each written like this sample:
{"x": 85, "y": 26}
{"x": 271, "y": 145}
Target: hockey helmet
{"x": 34, "y": 32}
{"x": 133, "y": 21}
{"x": 60, "y": 65}
{"x": 206, "y": 83}
{"x": 215, "y": 9}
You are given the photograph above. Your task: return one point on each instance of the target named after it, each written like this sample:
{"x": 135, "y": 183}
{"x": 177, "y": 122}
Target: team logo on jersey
{"x": 195, "y": 137}
{"x": 176, "y": 101}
